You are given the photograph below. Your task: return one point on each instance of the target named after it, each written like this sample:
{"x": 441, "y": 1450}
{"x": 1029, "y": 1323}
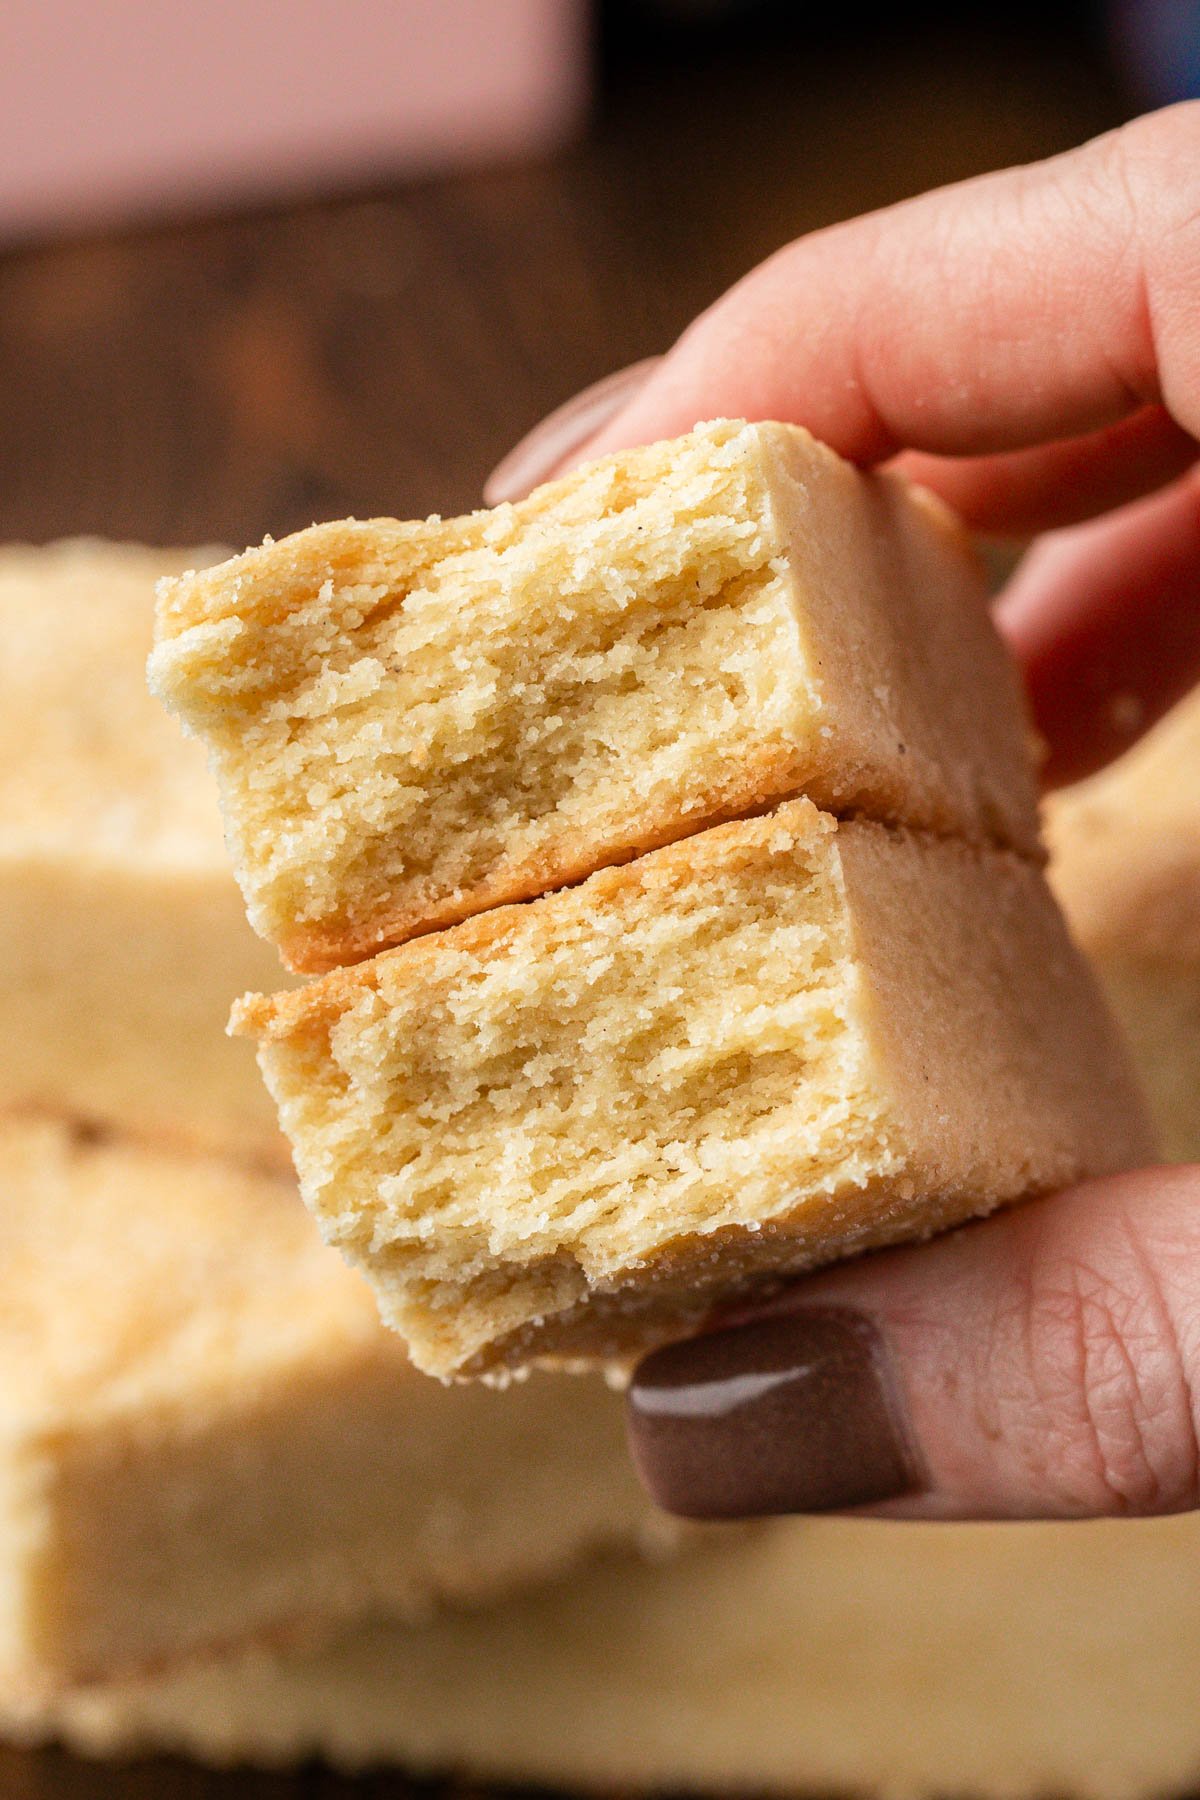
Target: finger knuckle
{"x": 1113, "y": 1397}
{"x": 1157, "y": 158}
{"x": 1172, "y": 133}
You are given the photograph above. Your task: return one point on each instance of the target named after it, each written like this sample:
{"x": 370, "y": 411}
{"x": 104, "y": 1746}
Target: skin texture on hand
{"x": 1027, "y": 344}
{"x": 1042, "y": 1364}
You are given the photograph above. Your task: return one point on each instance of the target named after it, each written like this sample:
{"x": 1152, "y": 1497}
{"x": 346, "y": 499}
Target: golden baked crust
{"x": 818, "y": 1657}
{"x": 411, "y": 723}
{"x": 122, "y": 935}
{"x": 1126, "y": 848}
{"x": 206, "y": 1436}
{"x": 566, "y": 1128}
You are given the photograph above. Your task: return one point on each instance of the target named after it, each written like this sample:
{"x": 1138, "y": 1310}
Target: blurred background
{"x": 288, "y": 260}
{"x": 297, "y": 258}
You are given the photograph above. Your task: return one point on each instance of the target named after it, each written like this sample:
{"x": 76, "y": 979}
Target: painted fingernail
{"x": 792, "y": 1413}
{"x": 539, "y": 453}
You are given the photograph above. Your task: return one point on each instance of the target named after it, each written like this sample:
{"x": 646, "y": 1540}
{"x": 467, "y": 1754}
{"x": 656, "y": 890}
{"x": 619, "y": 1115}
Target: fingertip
{"x": 560, "y": 438}
{"x": 792, "y": 1412}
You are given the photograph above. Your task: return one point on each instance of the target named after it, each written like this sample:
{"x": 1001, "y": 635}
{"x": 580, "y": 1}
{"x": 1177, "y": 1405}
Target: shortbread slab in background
{"x": 1126, "y": 848}
{"x": 906, "y": 1661}
{"x": 122, "y": 935}
{"x": 413, "y": 722}
{"x": 207, "y": 1436}
{"x": 902, "y": 1661}
{"x": 569, "y": 1128}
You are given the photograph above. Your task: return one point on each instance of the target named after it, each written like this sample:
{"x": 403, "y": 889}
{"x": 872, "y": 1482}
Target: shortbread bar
{"x": 830, "y": 1657}
{"x": 122, "y": 935}
{"x": 1126, "y": 867}
{"x": 568, "y": 1128}
{"x": 411, "y": 723}
{"x": 207, "y": 1436}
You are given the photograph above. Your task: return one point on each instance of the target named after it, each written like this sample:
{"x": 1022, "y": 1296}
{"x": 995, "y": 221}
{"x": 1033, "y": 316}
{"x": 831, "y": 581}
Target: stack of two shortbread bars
{"x": 222, "y": 1430}
{"x": 732, "y": 721}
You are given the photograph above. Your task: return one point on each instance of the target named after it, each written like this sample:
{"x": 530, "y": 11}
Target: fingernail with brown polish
{"x": 539, "y": 453}
{"x": 788, "y": 1414}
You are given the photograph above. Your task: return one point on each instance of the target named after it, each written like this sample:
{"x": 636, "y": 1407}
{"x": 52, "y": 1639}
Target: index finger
{"x": 1013, "y": 309}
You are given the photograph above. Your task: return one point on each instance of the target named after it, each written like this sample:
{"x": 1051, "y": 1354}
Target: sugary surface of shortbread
{"x": 206, "y": 1435}
{"x": 122, "y": 936}
{"x": 1126, "y": 848}
{"x": 568, "y": 1127}
{"x": 904, "y": 1662}
{"x": 413, "y": 722}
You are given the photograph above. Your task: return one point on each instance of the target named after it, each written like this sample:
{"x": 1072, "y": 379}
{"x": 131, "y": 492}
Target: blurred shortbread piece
{"x": 411, "y": 723}
{"x": 826, "y": 1657}
{"x": 1126, "y": 848}
{"x": 207, "y": 1436}
{"x": 568, "y": 1128}
{"x": 122, "y": 937}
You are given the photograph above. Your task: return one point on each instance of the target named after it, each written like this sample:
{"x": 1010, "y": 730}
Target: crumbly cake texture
{"x": 206, "y": 1435}
{"x": 901, "y": 1661}
{"x": 411, "y": 723}
{"x": 1126, "y": 848}
{"x": 566, "y": 1128}
{"x": 122, "y": 935}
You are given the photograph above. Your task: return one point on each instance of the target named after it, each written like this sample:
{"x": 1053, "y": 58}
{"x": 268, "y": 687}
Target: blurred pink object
{"x": 116, "y": 107}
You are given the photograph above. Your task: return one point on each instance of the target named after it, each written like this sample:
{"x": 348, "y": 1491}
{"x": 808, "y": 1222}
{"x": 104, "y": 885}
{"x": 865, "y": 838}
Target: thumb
{"x": 1043, "y": 1364}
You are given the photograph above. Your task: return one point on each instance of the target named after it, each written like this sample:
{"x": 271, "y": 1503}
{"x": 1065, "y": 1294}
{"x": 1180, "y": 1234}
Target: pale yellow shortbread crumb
{"x": 1007, "y": 1662}
{"x": 206, "y": 1435}
{"x": 122, "y": 935}
{"x": 413, "y": 722}
{"x": 905, "y": 1662}
{"x": 1126, "y": 848}
{"x": 569, "y": 1127}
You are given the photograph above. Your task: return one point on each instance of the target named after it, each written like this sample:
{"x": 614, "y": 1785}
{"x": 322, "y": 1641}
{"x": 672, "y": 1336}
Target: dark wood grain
{"x": 377, "y": 354}
{"x": 213, "y": 381}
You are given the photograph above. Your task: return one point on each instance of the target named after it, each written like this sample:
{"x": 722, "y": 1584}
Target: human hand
{"x": 1028, "y": 344}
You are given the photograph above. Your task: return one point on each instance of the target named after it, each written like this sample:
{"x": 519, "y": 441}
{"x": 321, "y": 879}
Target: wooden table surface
{"x": 377, "y": 354}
